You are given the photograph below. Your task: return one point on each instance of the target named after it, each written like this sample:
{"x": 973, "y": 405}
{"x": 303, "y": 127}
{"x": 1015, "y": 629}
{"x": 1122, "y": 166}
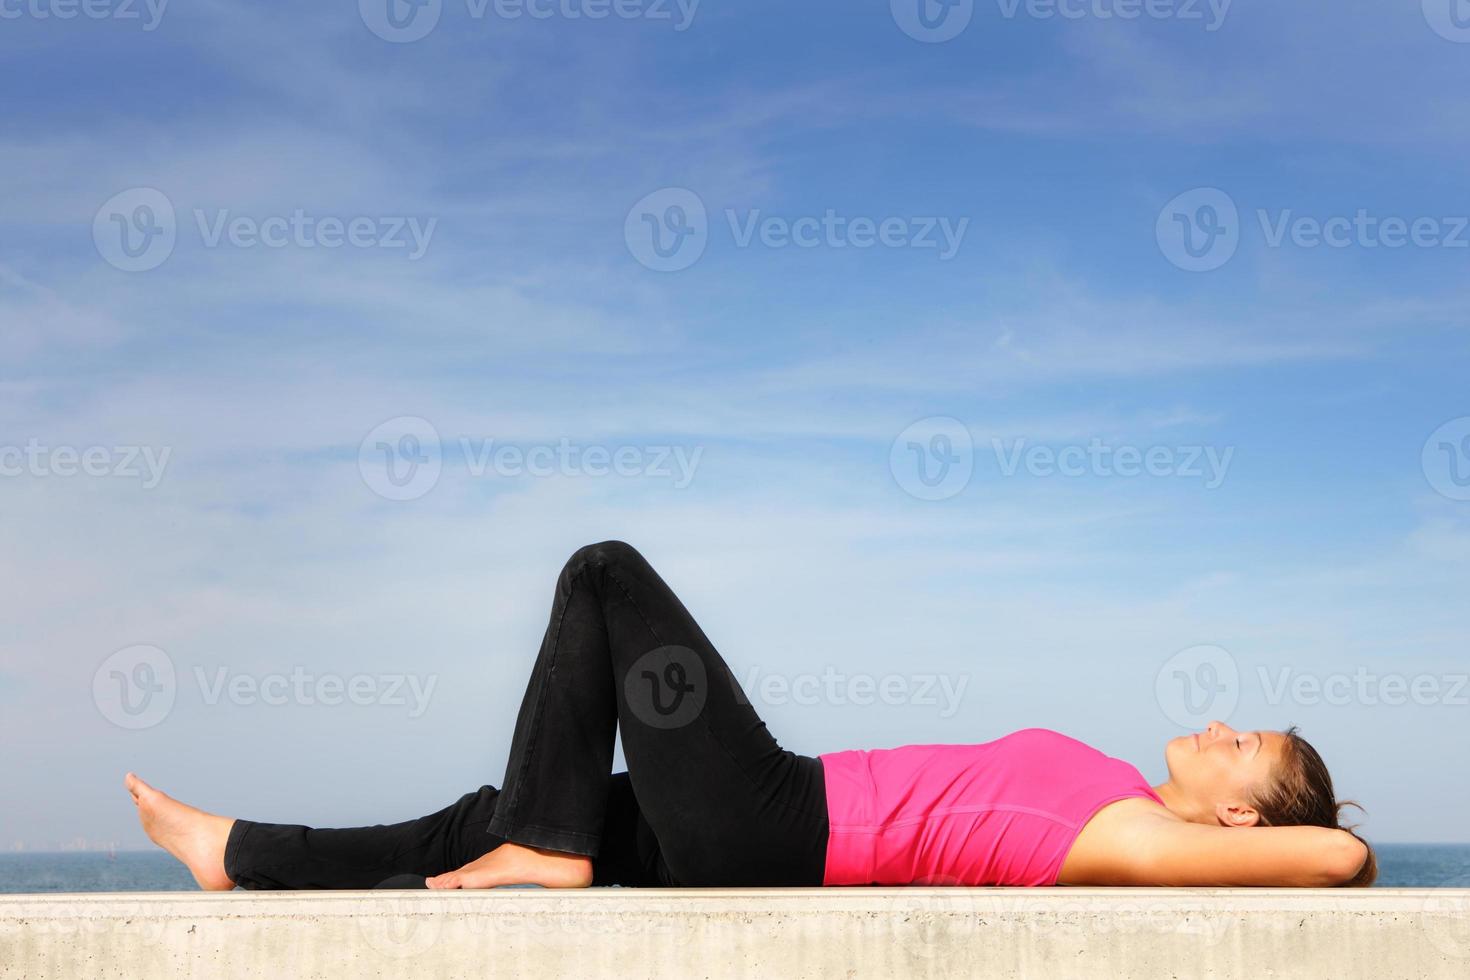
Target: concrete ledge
{"x": 849, "y": 932}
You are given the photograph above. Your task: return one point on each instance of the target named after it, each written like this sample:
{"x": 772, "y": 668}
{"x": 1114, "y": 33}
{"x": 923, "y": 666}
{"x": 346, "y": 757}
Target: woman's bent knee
{"x": 604, "y": 553}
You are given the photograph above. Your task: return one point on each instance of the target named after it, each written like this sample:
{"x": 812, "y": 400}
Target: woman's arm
{"x": 1178, "y": 853}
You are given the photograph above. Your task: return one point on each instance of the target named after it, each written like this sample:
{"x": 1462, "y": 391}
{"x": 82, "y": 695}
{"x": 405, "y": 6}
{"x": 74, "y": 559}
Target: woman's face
{"x": 1220, "y": 768}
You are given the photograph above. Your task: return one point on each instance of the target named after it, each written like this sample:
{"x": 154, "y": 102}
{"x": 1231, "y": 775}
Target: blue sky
{"x": 1331, "y": 547}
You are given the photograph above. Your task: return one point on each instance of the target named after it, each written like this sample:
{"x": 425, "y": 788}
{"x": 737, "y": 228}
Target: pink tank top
{"x": 1002, "y": 813}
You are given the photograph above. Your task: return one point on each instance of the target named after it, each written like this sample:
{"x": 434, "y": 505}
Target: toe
{"x": 140, "y": 789}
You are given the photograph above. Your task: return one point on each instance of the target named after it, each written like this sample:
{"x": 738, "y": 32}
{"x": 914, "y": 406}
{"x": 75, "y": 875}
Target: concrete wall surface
{"x": 780, "y": 933}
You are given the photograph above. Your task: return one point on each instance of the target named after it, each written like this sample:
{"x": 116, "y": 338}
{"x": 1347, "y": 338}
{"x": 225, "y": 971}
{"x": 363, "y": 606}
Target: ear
{"x": 1238, "y": 815}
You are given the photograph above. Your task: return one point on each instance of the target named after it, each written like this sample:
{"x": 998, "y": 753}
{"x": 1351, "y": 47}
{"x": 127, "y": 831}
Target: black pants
{"x": 709, "y": 798}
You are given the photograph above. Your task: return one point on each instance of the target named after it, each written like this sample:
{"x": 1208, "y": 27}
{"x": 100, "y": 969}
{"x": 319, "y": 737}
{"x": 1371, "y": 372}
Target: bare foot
{"x": 513, "y": 864}
{"x": 193, "y": 836}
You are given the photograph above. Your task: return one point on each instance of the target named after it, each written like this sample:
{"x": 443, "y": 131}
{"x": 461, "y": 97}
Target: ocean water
{"x": 1400, "y": 866}
{"x": 1424, "y": 865}
{"x": 128, "y": 871}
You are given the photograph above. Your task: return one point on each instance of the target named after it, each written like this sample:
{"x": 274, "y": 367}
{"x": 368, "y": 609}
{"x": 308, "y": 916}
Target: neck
{"x": 1180, "y": 804}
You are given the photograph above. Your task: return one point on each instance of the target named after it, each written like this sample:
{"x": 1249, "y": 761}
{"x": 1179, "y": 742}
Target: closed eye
{"x": 1258, "y": 745}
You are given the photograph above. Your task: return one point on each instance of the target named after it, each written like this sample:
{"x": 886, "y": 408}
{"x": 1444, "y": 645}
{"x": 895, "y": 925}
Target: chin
{"x": 1174, "y": 749}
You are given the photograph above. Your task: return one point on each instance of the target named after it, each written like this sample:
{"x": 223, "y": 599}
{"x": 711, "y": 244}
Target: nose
{"x": 1218, "y": 729}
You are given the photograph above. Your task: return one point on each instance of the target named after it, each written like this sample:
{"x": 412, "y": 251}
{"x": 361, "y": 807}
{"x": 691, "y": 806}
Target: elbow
{"x": 1350, "y": 862}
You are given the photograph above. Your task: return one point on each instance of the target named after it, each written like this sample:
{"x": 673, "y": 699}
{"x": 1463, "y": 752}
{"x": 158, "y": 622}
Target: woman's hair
{"x": 1300, "y": 794}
